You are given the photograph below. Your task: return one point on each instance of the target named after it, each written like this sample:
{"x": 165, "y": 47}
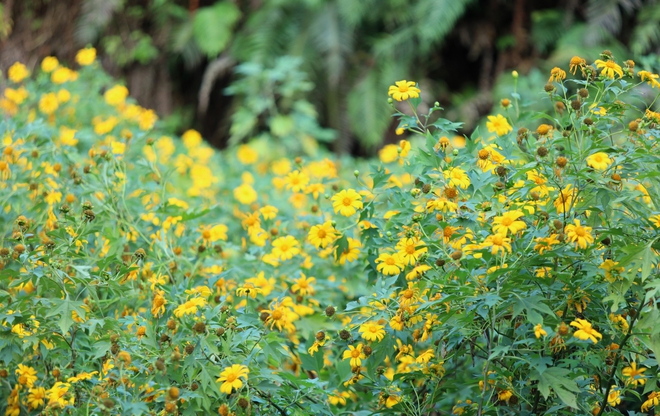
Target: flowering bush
{"x": 513, "y": 272}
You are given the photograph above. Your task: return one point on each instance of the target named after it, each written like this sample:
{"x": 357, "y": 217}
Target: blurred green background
{"x": 303, "y": 69}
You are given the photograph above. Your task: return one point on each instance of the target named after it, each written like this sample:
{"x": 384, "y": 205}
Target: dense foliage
{"x": 513, "y": 272}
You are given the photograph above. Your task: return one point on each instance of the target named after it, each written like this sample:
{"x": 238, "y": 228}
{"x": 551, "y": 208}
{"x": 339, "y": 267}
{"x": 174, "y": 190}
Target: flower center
{"x": 346, "y": 202}
{"x": 497, "y": 240}
{"x": 206, "y": 234}
{"x": 373, "y": 328}
{"x": 408, "y": 293}
{"x": 410, "y": 249}
{"x": 355, "y": 353}
{"x": 506, "y": 221}
{"x": 390, "y": 261}
{"x": 321, "y": 234}
{"x": 580, "y": 231}
{"x": 403, "y": 88}
{"x": 231, "y": 377}
{"x": 276, "y": 315}
{"x": 284, "y": 247}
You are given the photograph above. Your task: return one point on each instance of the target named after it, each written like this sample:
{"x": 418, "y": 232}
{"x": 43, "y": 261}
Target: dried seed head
{"x": 330, "y": 311}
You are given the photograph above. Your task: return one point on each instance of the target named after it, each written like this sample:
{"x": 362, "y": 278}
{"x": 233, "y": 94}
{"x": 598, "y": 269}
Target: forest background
{"x": 241, "y": 69}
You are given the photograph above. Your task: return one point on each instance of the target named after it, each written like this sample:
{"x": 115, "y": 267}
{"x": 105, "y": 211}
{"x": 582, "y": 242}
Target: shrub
{"x": 513, "y": 272}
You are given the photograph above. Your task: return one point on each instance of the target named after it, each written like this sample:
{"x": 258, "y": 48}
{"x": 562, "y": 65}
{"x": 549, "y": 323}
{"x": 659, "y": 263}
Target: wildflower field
{"x": 513, "y": 272}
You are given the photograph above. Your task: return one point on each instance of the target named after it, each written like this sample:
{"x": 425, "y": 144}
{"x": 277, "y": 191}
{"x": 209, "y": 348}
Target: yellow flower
{"x": 508, "y": 222}
{"x": 231, "y": 378}
{"x": 36, "y": 397}
{"x": 58, "y": 393}
{"x": 158, "y": 304}
{"x": 651, "y": 79}
{"x": 457, "y": 178}
{"x": 67, "y": 136}
{"x": 557, "y": 74}
{"x": 248, "y": 289}
{"x": 545, "y": 243}
{"x": 599, "y": 161}
{"x": 655, "y": 220}
{"x": 634, "y": 375}
{"x": 389, "y": 264}
{"x": 63, "y": 96}
{"x": 269, "y": 212}
{"x": 347, "y": 202}
{"x": 26, "y": 375}
{"x": 646, "y": 197}
{"x": 82, "y": 377}
{"x": 189, "y": 307}
{"x": 62, "y": 75}
{"x": 116, "y": 95}
{"x": 355, "y": 354}
{"x": 48, "y": 103}
{"x": 351, "y": 253}
{"x": 17, "y": 72}
{"x": 191, "y": 139}
{"x": 425, "y": 356}
{"x": 285, "y": 248}
{"x": 304, "y": 285}
{"x": 539, "y": 331}
{"x": 575, "y": 63}
{"x": 610, "y": 68}
{"x": 409, "y": 250}
{"x": 498, "y": 125}
{"x": 402, "y": 90}
{"x": 247, "y": 155}
{"x": 652, "y": 400}
{"x": 585, "y": 331}
{"x": 118, "y": 148}
{"x": 392, "y": 400}
{"x": 147, "y": 119}
{"x": 337, "y": 398}
{"x": 497, "y": 242}
{"x": 389, "y": 153}
{"x": 564, "y": 200}
{"x": 321, "y": 235}
{"x": 417, "y": 271}
{"x": 614, "y": 398}
{"x": 579, "y": 234}
{"x": 245, "y": 194}
{"x": 86, "y": 56}
{"x": 371, "y": 331}
{"x": 296, "y": 181}
{"x": 49, "y": 64}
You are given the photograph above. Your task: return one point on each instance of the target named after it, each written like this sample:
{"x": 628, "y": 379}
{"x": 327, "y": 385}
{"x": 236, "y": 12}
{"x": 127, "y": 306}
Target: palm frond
{"x": 94, "y": 17}
{"x": 435, "y": 18}
{"x": 647, "y": 32}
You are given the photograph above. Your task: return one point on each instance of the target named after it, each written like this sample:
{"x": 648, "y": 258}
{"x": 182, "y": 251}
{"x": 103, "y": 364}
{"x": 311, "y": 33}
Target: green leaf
{"x": 533, "y": 306}
{"x": 341, "y": 245}
{"x": 556, "y": 378}
{"x": 281, "y": 125}
{"x": 65, "y": 308}
{"x": 212, "y": 26}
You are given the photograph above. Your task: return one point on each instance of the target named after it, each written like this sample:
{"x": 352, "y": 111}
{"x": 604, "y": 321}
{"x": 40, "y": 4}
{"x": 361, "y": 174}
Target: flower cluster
{"x": 510, "y": 272}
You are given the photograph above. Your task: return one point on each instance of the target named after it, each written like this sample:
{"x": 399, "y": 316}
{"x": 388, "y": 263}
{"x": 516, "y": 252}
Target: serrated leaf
{"x": 533, "y": 307}
{"x": 555, "y": 378}
{"x": 65, "y": 308}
